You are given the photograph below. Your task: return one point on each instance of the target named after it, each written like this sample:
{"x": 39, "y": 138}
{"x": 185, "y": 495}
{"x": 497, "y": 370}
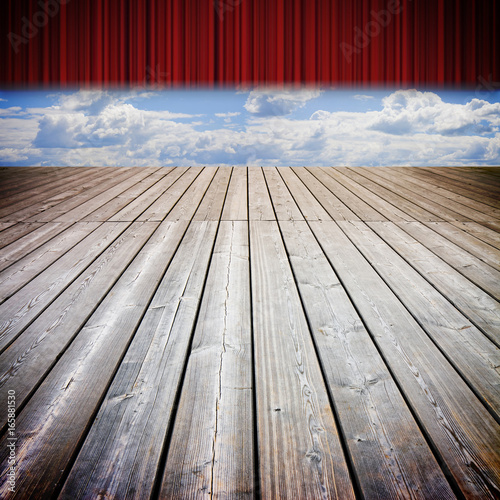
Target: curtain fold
{"x": 205, "y": 43}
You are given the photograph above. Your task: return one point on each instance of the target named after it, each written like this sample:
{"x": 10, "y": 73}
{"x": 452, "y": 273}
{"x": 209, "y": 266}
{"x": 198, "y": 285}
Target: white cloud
{"x": 97, "y": 128}
{"x": 279, "y": 103}
{"x": 411, "y": 111}
{"x": 361, "y": 97}
{"x": 228, "y": 115}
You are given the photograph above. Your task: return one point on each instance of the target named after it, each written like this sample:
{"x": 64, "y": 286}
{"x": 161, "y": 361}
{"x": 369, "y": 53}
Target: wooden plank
{"x": 406, "y": 205}
{"x": 110, "y": 195}
{"x": 463, "y": 237}
{"x": 470, "y": 352}
{"x": 163, "y": 205}
{"x": 492, "y": 224}
{"x": 210, "y": 207}
{"x": 188, "y": 203}
{"x": 480, "y": 273}
{"x": 335, "y": 207}
{"x": 98, "y": 187}
{"x": 53, "y": 424}
{"x": 465, "y": 437}
{"x": 43, "y": 188}
{"x": 390, "y": 455}
{"x": 211, "y": 449}
{"x": 259, "y": 203}
{"x": 5, "y": 225}
{"x": 29, "y": 243}
{"x": 481, "y": 232}
{"x": 134, "y": 209}
{"x": 15, "y": 231}
{"x": 362, "y": 209}
{"x": 118, "y": 202}
{"x": 22, "y": 308}
{"x": 446, "y": 207}
{"x": 440, "y": 189}
{"x": 477, "y": 305}
{"x": 388, "y": 210}
{"x": 31, "y": 206}
{"x": 462, "y": 187}
{"x": 470, "y": 175}
{"x": 16, "y": 187}
{"x": 236, "y": 204}
{"x": 23, "y": 271}
{"x": 283, "y": 203}
{"x": 122, "y": 452}
{"x": 293, "y": 410}
{"x": 25, "y": 363}
{"x": 309, "y": 206}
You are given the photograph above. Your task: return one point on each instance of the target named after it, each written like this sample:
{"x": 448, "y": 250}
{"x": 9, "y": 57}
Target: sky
{"x": 250, "y": 127}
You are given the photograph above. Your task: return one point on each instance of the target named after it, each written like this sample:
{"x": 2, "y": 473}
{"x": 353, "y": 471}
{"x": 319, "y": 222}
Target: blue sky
{"x": 253, "y": 127}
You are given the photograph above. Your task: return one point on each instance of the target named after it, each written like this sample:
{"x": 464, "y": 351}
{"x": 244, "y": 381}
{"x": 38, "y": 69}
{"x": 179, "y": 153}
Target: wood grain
{"x": 299, "y": 452}
{"x": 211, "y": 449}
{"x": 55, "y": 419}
{"x": 390, "y": 455}
{"x": 463, "y": 433}
{"x": 122, "y": 452}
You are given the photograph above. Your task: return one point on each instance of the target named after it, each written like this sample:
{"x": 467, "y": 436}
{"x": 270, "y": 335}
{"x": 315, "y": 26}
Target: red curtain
{"x": 227, "y": 42}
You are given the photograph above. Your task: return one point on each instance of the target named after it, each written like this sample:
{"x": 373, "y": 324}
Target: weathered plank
{"x": 211, "y": 449}
{"x": 387, "y": 209}
{"x": 15, "y": 230}
{"x": 299, "y": 451}
{"x": 29, "y": 358}
{"x": 390, "y": 455}
{"x": 477, "y": 305}
{"x": 259, "y": 203}
{"x": 23, "y": 307}
{"x": 210, "y": 207}
{"x": 477, "y": 271}
{"x": 464, "y": 435}
{"x": 412, "y": 205}
{"x": 118, "y": 202}
{"x": 67, "y": 201}
{"x": 460, "y": 185}
{"x": 309, "y": 206}
{"x": 362, "y": 209}
{"x": 5, "y": 225}
{"x": 135, "y": 208}
{"x": 335, "y": 208}
{"x": 26, "y": 269}
{"x": 187, "y": 204}
{"x": 440, "y": 192}
{"x": 480, "y": 231}
{"x": 122, "y": 453}
{"x": 53, "y": 423}
{"x": 236, "y": 204}
{"x": 469, "y": 239}
{"x": 30, "y": 242}
{"x": 111, "y": 194}
{"x": 470, "y": 352}
{"x": 17, "y": 189}
{"x": 158, "y": 210}
{"x": 33, "y": 207}
{"x": 446, "y": 208}
{"x": 473, "y": 176}
{"x": 283, "y": 203}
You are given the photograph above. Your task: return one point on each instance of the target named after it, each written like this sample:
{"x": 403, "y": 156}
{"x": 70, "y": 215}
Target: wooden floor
{"x": 296, "y": 333}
